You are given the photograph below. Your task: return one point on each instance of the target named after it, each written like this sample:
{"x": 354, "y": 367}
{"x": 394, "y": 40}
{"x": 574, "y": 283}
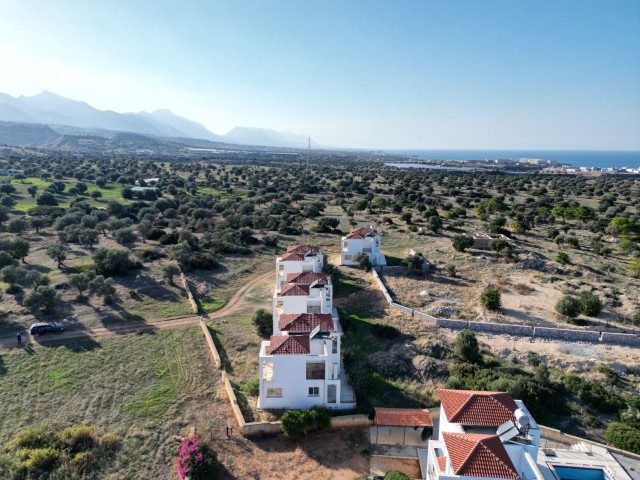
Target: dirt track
{"x": 235, "y": 304}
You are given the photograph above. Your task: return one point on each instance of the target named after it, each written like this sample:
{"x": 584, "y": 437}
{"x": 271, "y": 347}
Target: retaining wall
{"x": 567, "y": 334}
{"x": 552, "y": 434}
{"x": 346, "y": 421}
{"x": 620, "y": 338}
{"x": 563, "y": 334}
{"x": 212, "y": 346}
{"x": 233, "y": 400}
{"x": 260, "y": 428}
{"x": 397, "y": 306}
{"x": 192, "y": 301}
{"x": 502, "y": 328}
{"x": 452, "y": 324}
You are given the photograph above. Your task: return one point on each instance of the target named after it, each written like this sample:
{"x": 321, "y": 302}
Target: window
{"x": 274, "y": 392}
{"x": 334, "y": 345}
{"x": 315, "y": 370}
{"x": 314, "y": 391}
{"x": 345, "y": 245}
{"x": 348, "y": 258}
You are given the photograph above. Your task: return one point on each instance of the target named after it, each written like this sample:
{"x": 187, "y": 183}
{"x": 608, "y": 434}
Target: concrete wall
{"x": 212, "y": 347}
{"x": 346, "y": 421}
{"x": 187, "y": 289}
{"x": 620, "y": 338}
{"x": 554, "y": 435}
{"x": 381, "y": 286}
{"x": 452, "y": 324}
{"x": 233, "y": 400}
{"x": 566, "y": 334}
{"x": 397, "y": 306}
{"x": 426, "y": 317}
{"x": 502, "y": 328}
{"x": 261, "y": 428}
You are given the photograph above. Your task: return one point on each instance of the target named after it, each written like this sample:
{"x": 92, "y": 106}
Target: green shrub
{"x": 466, "y": 347}
{"x": 490, "y": 299}
{"x": 36, "y": 460}
{"x": 77, "y": 438}
{"x": 623, "y": 436}
{"x": 300, "y": 422}
{"x": 590, "y": 304}
{"x": 251, "y": 387}
{"x": 563, "y": 259}
{"x": 262, "y": 319}
{"x": 461, "y": 242}
{"x": 364, "y": 262}
{"x": 569, "y": 307}
{"x": 395, "y": 475}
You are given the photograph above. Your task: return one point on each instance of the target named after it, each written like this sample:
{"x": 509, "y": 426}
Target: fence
{"x": 563, "y": 334}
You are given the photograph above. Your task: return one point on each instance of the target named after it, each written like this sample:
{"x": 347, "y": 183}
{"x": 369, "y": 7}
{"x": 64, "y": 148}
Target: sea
{"x": 576, "y": 158}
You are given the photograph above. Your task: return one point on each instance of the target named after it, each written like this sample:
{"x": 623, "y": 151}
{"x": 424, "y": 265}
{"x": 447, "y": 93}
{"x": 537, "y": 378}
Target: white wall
{"x": 356, "y": 246}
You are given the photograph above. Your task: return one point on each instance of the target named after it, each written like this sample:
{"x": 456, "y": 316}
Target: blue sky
{"x": 483, "y": 74}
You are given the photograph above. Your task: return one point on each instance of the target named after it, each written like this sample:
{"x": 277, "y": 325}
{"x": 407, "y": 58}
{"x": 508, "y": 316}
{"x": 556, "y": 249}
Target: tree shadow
{"x": 78, "y": 343}
{"x": 3, "y": 369}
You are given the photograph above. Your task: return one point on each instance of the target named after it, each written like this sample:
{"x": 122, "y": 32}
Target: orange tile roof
{"x": 467, "y": 407}
{"x": 361, "y": 233}
{"x": 477, "y": 455}
{"x": 403, "y": 417}
{"x": 294, "y": 290}
{"x": 292, "y": 257}
{"x": 442, "y": 463}
{"x": 305, "y": 322}
{"x": 302, "y": 249}
{"x": 307, "y": 278}
{"x": 289, "y": 345}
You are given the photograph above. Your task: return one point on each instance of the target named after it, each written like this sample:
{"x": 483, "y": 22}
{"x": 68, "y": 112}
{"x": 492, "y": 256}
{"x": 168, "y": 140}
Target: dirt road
{"x": 235, "y": 304}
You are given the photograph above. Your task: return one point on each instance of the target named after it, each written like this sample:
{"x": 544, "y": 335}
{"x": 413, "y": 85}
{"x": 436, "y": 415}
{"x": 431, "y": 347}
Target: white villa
{"x": 361, "y": 240}
{"x": 489, "y": 435}
{"x": 300, "y": 366}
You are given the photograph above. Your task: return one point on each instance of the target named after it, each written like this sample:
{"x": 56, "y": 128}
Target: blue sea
{"x": 577, "y": 158}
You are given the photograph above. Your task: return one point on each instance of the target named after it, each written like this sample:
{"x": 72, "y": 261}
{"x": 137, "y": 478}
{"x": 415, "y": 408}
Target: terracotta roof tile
{"x": 361, "y": 233}
{"x": 302, "y": 249}
{"x": 294, "y": 291}
{"x": 307, "y": 278}
{"x": 467, "y": 407}
{"x": 442, "y": 463}
{"x": 477, "y": 455}
{"x": 305, "y": 322}
{"x": 292, "y": 257}
{"x": 406, "y": 417}
{"x": 289, "y": 345}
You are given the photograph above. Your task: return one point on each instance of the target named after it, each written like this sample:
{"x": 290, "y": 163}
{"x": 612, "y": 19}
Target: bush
{"x": 42, "y": 298}
{"x": 196, "y": 460}
{"x": 111, "y": 261}
{"x": 569, "y": 307}
{"x": 461, "y": 242}
{"x": 300, "y": 422}
{"x": 396, "y": 475}
{"x": 563, "y": 259}
{"x": 467, "y": 348}
{"x": 590, "y": 304}
{"x": 262, "y": 319}
{"x": 623, "y": 436}
{"x": 251, "y": 387}
{"x": 414, "y": 263}
{"x": 364, "y": 262}
{"x": 491, "y": 300}
{"x": 203, "y": 261}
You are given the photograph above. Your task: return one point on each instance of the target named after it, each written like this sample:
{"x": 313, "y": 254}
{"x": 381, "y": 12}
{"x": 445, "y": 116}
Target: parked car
{"x": 46, "y": 327}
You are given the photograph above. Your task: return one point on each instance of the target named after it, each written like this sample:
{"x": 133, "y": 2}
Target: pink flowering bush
{"x": 196, "y": 460}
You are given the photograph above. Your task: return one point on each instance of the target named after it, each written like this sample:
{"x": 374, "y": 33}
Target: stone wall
{"x": 260, "y": 428}
{"x": 620, "y": 338}
{"x": 397, "y": 306}
{"x": 187, "y": 289}
{"x": 345, "y": 421}
{"x": 568, "y": 335}
{"x": 212, "y": 346}
{"x": 452, "y": 324}
{"x": 563, "y": 334}
{"x": 233, "y": 400}
{"x": 502, "y": 328}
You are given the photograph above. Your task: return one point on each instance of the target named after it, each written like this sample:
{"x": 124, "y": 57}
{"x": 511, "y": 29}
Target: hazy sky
{"x": 557, "y": 74}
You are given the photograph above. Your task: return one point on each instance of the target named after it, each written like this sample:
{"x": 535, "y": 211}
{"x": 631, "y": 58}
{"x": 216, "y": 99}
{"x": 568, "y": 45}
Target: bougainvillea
{"x": 195, "y": 459}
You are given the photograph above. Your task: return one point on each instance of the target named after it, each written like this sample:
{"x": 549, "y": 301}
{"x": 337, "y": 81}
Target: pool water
{"x": 577, "y": 473}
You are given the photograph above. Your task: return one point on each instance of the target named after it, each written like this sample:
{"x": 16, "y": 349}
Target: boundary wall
{"x": 563, "y": 334}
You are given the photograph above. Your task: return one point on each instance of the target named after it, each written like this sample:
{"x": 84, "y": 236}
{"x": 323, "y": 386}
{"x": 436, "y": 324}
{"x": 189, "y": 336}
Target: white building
{"x": 298, "y": 259}
{"x": 361, "y": 240}
{"x": 489, "y": 435}
{"x": 300, "y": 366}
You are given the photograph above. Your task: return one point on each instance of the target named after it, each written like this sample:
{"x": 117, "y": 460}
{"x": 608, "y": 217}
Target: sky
{"x": 451, "y": 74}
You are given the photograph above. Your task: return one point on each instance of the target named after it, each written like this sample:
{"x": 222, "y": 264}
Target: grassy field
{"x": 147, "y": 389}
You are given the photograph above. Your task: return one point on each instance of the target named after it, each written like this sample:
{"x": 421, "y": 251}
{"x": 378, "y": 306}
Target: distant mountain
{"x": 26, "y": 135}
{"x": 72, "y": 117}
{"x": 264, "y": 136}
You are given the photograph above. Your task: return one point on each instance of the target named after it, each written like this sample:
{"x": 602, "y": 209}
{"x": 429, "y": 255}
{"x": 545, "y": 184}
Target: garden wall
{"x": 233, "y": 400}
{"x": 502, "y": 328}
{"x": 568, "y": 335}
{"x": 344, "y": 421}
{"x": 563, "y": 334}
{"x": 192, "y": 301}
{"x": 212, "y": 346}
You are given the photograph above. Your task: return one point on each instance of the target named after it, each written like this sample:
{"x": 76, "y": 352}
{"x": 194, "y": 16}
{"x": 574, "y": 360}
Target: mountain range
{"x": 65, "y": 116}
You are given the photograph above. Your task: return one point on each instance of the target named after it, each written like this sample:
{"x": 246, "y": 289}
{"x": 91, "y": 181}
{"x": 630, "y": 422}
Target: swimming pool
{"x": 579, "y": 473}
